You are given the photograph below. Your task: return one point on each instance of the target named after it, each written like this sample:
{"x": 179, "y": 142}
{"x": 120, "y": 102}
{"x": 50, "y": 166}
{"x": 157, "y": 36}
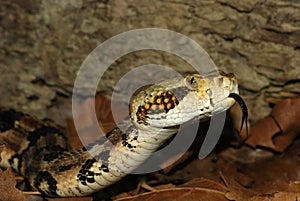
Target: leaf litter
{"x": 265, "y": 167}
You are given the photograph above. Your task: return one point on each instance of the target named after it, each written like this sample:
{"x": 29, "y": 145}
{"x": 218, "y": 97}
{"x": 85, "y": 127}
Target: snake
{"x": 39, "y": 151}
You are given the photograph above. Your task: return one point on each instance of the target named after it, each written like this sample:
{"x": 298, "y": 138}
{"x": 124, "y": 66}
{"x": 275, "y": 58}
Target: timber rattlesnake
{"x": 38, "y": 150}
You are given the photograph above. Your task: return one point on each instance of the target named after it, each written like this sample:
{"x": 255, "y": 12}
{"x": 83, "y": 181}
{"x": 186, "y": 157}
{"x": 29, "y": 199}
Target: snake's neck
{"x": 130, "y": 138}
{"x": 150, "y": 138}
{"x": 129, "y": 145}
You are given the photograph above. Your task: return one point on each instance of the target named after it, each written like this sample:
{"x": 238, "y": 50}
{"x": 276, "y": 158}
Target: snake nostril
{"x": 221, "y": 81}
{"x": 209, "y": 92}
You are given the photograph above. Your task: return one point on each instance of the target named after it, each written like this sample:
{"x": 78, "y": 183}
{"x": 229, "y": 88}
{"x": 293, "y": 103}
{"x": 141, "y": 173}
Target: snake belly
{"x": 38, "y": 150}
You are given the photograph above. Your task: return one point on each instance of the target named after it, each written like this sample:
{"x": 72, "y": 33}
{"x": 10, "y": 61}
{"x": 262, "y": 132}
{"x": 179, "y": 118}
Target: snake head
{"x": 179, "y": 100}
{"x": 213, "y": 91}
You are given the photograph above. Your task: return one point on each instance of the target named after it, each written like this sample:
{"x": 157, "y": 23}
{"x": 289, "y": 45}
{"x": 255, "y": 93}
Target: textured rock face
{"x": 43, "y": 44}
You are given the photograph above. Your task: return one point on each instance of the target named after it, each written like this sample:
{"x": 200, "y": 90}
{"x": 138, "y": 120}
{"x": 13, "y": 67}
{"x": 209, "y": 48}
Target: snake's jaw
{"x": 212, "y": 93}
{"x": 221, "y": 88}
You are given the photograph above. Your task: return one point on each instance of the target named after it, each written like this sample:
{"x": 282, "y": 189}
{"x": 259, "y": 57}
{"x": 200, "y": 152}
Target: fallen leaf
{"x": 195, "y": 190}
{"x": 287, "y": 114}
{"x": 180, "y": 158}
{"x": 8, "y": 187}
{"x": 278, "y": 130}
{"x": 85, "y": 124}
{"x": 71, "y": 199}
{"x": 237, "y": 191}
{"x": 262, "y": 133}
{"x": 246, "y": 155}
{"x": 281, "y": 196}
{"x": 206, "y": 183}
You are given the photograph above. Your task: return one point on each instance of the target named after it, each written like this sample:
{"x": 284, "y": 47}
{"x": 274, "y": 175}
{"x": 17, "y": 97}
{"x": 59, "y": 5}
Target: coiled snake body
{"x": 38, "y": 150}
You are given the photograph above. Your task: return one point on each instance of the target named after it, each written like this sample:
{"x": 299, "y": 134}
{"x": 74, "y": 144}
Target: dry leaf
{"x": 278, "y": 130}
{"x": 8, "y": 187}
{"x": 287, "y": 114}
{"x": 262, "y": 133}
{"x": 195, "y": 190}
{"x": 237, "y": 191}
{"x": 206, "y": 183}
{"x": 87, "y": 127}
{"x": 246, "y": 155}
{"x": 281, "y": 196}
{"x": 71, "y": 199}
{"x": 271, "y": 191}
{"x": 182, "y": 157}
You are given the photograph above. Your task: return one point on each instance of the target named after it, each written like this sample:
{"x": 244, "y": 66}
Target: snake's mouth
{"x": 244, "y": 109}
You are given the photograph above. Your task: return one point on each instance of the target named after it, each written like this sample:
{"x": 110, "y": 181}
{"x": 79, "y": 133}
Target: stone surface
{"x": 43, "y": 44}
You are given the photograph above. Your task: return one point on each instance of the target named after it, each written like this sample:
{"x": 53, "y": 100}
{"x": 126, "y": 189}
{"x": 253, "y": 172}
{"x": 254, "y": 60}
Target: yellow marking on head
{"x": 161, "y": 106}
{"x": 201, "y": 84}
{"x": 173, "y": 98}
{"x": 152, "y": 100}
{"x": 147, "y": 106}
{"x": 153, "y": 107}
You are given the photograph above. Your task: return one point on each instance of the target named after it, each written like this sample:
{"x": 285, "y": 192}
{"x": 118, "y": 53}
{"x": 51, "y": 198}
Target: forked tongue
{"x": 244, "y": 109}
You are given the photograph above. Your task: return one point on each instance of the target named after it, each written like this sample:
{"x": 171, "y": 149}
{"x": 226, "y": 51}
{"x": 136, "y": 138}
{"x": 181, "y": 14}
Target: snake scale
{"x": 38, "y": 150}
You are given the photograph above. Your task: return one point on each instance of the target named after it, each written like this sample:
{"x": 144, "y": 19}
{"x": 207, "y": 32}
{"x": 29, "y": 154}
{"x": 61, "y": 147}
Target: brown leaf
{"x": 181, "y": 159}
{"x": 262, "y": 133}
{"x": 71, "y": 199}
{"x": 283, "y": 196}
{"x": 199, "y": 188}
{"x": 272, "y": 187}
{"x": 87, "y": 127}
{"x": 284, "y": 167}
{"x": 228, "y": 166}
{"x": 237, "y": 191}
{"x": 272, "y": 191}
{"x": 246, "y": 155}
{"x": 287, "y": 114}
{"x": 206, "y": 183}
{"x": 179, "y": 194}
{"x": 278, "y": 130}
{"x": 8, "y": 187}
{"x": 267, "y": 176}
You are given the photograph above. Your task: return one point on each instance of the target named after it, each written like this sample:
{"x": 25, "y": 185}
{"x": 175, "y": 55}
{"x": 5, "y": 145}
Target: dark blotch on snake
{"x": 8, "y": 118}
{"x": 66, "y": 167}
{"x": 44, "y": 176}
{"x": 125, "y": 143}
{"x": 53, "y": 152}
{"x": 84, "y": 171}
{"x": 33, "y": 138}
{"x": 104, "y": 168}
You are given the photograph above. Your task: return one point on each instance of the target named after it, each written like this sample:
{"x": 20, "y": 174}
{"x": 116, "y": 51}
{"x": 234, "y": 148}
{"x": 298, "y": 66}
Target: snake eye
{"x": 192, "y": 81}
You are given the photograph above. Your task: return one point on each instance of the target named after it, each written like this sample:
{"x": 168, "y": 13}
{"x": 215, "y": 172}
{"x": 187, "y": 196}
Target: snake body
{"x": 38, "y": 150}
